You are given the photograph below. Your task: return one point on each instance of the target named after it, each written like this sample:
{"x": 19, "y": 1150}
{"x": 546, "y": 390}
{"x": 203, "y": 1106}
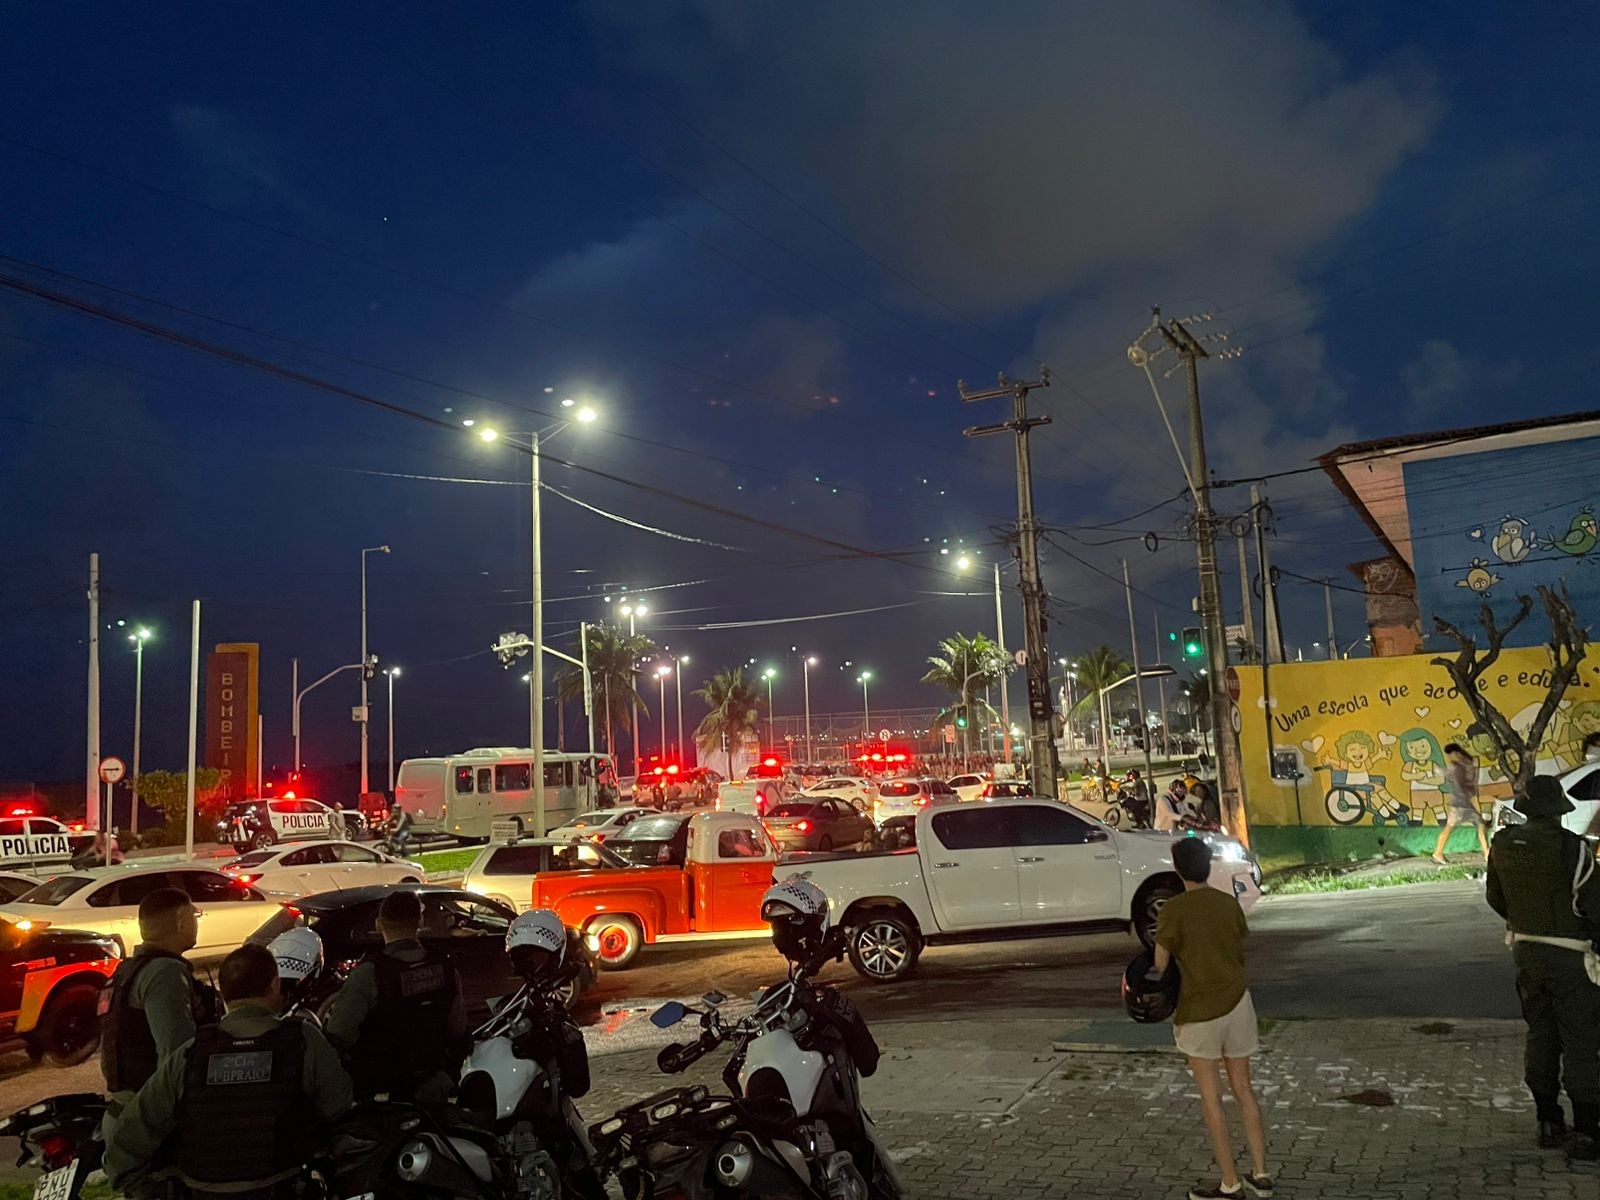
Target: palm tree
{"x": 614, "y": 656}
{"x": 1100, "y": 668}
{"x": 735, "y": 715}
{"x": 964, "y": 666}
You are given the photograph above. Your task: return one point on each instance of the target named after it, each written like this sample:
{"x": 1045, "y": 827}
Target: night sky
{"x": 765, "y": 240}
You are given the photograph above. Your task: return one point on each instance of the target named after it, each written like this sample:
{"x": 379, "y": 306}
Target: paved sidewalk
{"x": 1438, "y": 1111}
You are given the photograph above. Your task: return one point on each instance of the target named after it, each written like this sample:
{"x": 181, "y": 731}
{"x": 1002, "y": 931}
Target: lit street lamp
{"x": 391, "y": 673}
{"x": 661, "y": 677}
{"x": 366, "y": 669}
{"x": 138, "y": 638}
{"x": 866, "y": 712}
{"x": 806, "y": 663}
{"x": 769, "y": 675}
{"x": 633, "y": 612}
{"x": 584, "y": 415}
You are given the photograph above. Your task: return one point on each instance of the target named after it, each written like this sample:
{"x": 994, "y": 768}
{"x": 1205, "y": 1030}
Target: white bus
{"x": 465, "y": 795}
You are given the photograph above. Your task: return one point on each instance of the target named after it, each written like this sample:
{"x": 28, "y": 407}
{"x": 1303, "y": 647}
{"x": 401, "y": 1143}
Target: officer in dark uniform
{"x": 240, "y": 1103}
{"x": 1543, "y": 881}
{"x": 400, "y": 1019}
{"x": 154, "y": 1003}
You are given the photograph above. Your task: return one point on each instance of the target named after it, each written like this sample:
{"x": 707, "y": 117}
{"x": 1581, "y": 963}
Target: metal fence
{"x": 836, "y": 736}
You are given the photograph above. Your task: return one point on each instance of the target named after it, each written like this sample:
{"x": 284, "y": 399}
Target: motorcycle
{"x": 60, "y": 1136}
{"x": 798, "y": 1115}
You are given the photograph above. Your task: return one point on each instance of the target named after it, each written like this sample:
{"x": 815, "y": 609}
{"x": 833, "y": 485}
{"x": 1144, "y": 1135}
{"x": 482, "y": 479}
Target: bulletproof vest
{"x": 127, "y": 1047}
{"x": 244, "y": 1117}
{"x": 1535, "y": 863}
{"x": 404, "y": 1037}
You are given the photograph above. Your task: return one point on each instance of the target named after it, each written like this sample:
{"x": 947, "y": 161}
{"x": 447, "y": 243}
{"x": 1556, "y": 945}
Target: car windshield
{"x": 254, "y": 859}
{"x": 641, "y": 842}
{"x": 56, "y": 890}
{"x": 793, "y": 810}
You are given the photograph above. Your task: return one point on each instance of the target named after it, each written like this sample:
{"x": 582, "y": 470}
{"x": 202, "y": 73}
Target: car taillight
{"x": 920, "y": 801}
{"x": 246, "y": 878}
{"x": 32, "y": 925}
{"x": 597, "y": 837}
{"x": 802, "y": 826}
{"x": 761, "y": 804}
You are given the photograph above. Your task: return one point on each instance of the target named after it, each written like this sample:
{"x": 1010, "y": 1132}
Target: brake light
{"x": 288, "y": 795}
{"x": 673, "y": 769}
{"x": 293, "y": 910}
{"x": 597, "y": 837}
{"x": 56, "y": 1149}
{"x": 769, "y": 762}
{"x": 246, "y": 878}
{"x": 920, "y": 801}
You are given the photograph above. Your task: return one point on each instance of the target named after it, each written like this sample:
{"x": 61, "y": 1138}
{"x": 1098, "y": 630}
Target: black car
{"x": 50, "y": 981}
{"x": 655, "y": 841}
{"x": 471, "y": 929}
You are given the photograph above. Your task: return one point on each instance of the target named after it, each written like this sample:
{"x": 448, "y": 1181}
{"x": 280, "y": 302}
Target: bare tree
{"x": 1516, "y": 752}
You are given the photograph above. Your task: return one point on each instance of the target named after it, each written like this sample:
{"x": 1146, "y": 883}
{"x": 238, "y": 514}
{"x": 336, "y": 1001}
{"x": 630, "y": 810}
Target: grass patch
{"x": 441, "y": 862}
{"x": 1309, "y": 882}
{"x": 17, "y": 1189}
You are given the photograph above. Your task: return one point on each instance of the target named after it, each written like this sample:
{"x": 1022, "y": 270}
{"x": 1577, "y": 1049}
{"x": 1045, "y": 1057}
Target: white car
{"x": 321, "y": 867}
{"x": 845, "y": 787}
{"x": 969, "y": 787}
{"x": 266, "y": 822}
{"x": 1582, "y": 786}
{"x": 599, "y": 825}
{"x": 14, "y": 883}
{"x": 909, "y": 796}
{"x": 505, "y": 873}
{"x": 106, "y": 900}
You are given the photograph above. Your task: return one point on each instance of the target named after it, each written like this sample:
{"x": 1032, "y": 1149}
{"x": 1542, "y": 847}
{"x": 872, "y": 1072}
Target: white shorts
{"x": 1230, "y": 1036}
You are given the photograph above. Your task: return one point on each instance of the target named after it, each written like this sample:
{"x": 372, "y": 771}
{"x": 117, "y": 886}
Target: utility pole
{"x": 1272, "y": 632}
{"x": 1227, "y": 749}
{"x": 1005, "y": 674}
{"x": 1248, "y": 649}
{"x": 1166, "y": 731}
{"x": 91, "y": 806}
{"x": 1138, "y": 686}
{"x": 1041, "y": 737}
{"x": 1327, "y": 599}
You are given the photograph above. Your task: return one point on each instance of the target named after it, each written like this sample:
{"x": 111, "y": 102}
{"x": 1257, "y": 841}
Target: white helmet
{"x": 299, "y": 954}
{"x": 537, "y": 944}
{"x": 797, "y": 910}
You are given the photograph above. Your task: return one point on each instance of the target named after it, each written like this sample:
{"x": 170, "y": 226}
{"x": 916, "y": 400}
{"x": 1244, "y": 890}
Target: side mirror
{"x": 668, "y": 1015}
{"x": 1098, "y": 835}
{"x": 713, "y": 999}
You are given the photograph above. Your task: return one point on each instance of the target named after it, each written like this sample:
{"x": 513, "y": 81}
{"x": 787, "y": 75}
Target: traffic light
{"x": 1193, "y": 647}
{"x": 961, "y": 718}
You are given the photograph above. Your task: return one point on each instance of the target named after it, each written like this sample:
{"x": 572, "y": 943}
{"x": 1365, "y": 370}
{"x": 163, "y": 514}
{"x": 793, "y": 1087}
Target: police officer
{"x": 154, "y": 1003}
{"x": 1543, "y": 881}
{"x": 234, "y": 1101}
{"x": 400, "y": 1019}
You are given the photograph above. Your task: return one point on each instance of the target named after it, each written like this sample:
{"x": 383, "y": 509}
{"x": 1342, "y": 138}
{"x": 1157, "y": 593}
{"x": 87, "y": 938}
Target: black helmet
{"x": 1147, "y": 1000}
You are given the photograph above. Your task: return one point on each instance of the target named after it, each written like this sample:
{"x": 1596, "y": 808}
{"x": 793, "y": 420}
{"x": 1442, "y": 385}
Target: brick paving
{"x": 1117, "y": 1125}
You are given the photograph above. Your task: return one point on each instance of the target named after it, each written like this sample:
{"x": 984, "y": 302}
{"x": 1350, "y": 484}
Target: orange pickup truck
{"x": 714, "y": 869}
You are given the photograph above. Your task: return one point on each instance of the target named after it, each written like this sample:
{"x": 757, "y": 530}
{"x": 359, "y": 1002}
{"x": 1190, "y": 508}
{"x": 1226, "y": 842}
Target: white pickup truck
{"x": 1000, "y": 870}
{"x": 764, "y": 786}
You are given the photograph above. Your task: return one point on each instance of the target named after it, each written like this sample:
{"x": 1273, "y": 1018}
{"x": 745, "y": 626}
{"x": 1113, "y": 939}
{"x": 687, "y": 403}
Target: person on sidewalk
{"x": 1215, "y": 1023}
{"x": 1461, "y": 778}
{"x": 1543, "y": 881}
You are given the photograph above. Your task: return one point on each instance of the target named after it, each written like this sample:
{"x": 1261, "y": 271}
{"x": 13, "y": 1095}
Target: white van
{"x": 464, "y": 795}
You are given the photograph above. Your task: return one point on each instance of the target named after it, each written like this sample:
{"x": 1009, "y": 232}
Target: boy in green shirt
{"x": 1215, "y": 1024}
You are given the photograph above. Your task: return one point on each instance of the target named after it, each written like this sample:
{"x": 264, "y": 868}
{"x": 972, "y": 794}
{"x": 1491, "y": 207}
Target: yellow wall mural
{"x": 1367, "y": 735}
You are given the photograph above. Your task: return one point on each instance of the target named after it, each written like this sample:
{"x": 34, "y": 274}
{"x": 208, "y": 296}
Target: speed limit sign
{"x": 112, "y": 770}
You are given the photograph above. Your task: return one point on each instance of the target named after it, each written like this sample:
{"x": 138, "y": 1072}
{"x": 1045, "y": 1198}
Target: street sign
{"x": 1020, "y": 658}
{"x": 950, "y": 735}
{"x": 883, "y": 735}
{"x": 358, "y": 713}
{"x": 112, "y": 770}
{"x": 1232, "y": 681}
{"x": 1238, "y": 721}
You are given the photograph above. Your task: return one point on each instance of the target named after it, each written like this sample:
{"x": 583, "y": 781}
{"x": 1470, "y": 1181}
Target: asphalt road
{"x": 1422, "y": 951}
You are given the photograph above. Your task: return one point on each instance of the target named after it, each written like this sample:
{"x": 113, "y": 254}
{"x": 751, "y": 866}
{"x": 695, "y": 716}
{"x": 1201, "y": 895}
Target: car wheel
{"x": 263, "y": 839}
{"x": 884, "y": 947}
{"x": 620, "y": 941}
{"x": 569, "y": 992}
{"x": 1147, "y": 906}
{"x": 824, "y": 844}
{"x": 69, "y": 1029}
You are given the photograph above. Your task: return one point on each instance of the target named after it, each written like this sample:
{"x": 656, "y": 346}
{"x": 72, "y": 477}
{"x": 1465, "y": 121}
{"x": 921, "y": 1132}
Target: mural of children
{"x": 1352, "y": 759}
{"x": 1583, "y": 722}
{"x": 1423, "y": 767}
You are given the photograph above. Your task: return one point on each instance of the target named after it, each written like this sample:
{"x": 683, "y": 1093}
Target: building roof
{"x": 1447, "y": 436}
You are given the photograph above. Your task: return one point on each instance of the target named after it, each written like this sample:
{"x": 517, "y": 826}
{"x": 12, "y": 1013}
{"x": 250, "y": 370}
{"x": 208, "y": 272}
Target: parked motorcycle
{"x": 59, "y": 1136}
{"x": 793, "y": 1071}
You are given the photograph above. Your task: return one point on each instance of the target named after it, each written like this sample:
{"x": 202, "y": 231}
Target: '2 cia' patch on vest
{"x": 254, "y": 1066}
{"x": 426, "y": 978}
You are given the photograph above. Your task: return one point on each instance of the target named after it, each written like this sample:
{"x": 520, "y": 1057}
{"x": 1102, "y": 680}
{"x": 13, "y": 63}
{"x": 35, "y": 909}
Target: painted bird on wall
{"x": 1581, "y": 535}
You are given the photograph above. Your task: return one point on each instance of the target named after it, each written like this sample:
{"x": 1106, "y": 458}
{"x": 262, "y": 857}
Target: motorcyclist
{"x": 238, "y": 1104}
{"x": 1172, "y": 809}
{"x": 399, "y": 1018}
{"x": 398, "y": 829}
{"x": 153, "y": 1003}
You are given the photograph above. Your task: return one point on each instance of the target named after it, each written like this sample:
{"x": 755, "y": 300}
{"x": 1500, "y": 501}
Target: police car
{"x": 31, "y": 839}
{"x": 259, "y": 823}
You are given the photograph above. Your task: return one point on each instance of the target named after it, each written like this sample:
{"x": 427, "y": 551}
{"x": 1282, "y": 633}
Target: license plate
{"x": 57, "y": 1184}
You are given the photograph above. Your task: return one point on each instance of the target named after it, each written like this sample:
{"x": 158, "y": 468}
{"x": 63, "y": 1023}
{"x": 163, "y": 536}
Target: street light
{"x": 962, "y": 564}
{"x": 682, "y": 660}
{"x": 139, "y": 637}
{"x": 366, "y": 669}
{"x": 866, "y": 711}
{"x": 633, "y": 612}
{"x": 391, "y": 673}
{"x": 661, "y": 677}
{"x": 806, "y": 663}
{"x": 769, "y": 675}
{"x": 587, "y": 416}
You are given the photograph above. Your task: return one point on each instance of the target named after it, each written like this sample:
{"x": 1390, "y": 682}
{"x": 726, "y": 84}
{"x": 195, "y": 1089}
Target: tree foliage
{"x": 960, "y": 657}
{"x": 1516, "y": 752}
{"x": 169, "y": 791}
{"x": 1098, "y": 669}
{"x": 614, "y": 658}
{"x": 735, "y": 717}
